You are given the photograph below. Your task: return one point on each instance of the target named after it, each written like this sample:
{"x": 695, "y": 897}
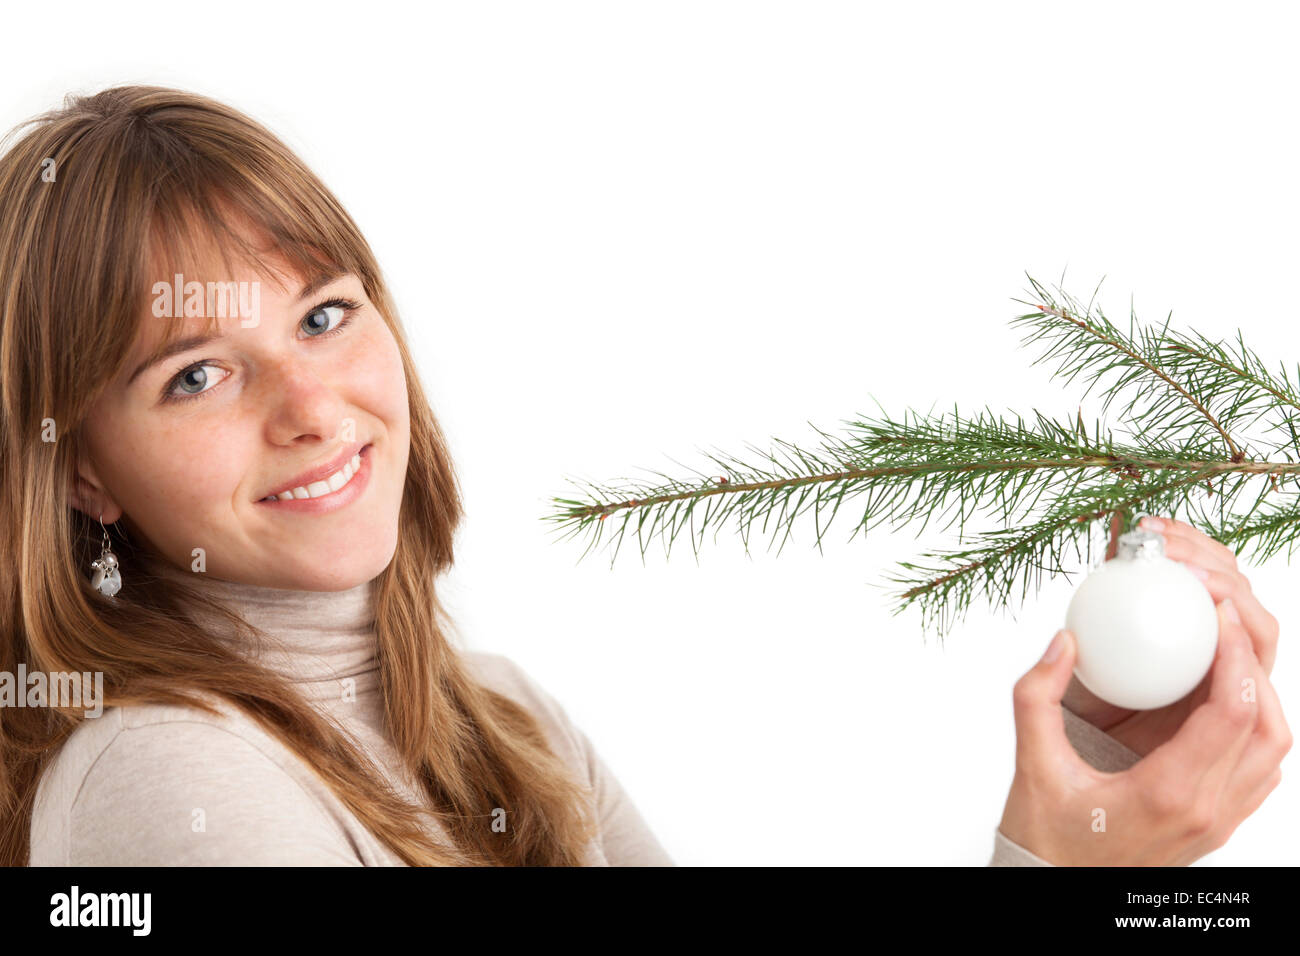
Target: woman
{"x": 279, "y": 676}
{"x": 347, "y": 729}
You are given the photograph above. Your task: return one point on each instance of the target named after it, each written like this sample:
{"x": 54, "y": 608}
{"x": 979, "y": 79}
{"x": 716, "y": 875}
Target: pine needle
{"x": 1186, "y": 407}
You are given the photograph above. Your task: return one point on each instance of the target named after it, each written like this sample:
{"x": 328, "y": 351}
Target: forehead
{"x": 222, "y": 253}
{"x": 218, "y": 252}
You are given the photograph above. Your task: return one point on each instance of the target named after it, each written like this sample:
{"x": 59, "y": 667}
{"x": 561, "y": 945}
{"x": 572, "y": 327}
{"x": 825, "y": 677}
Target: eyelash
{"x": 349, "y": 306}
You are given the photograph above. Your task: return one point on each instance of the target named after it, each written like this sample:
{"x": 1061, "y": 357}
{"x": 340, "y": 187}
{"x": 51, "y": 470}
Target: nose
{"x": 301, "y": 402}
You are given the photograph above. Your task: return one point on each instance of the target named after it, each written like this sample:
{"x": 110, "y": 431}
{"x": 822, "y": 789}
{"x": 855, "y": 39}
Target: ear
{"x": 89, "y": 496}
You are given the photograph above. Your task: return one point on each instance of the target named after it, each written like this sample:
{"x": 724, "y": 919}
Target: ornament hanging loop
{"x": 1141, "y": 544}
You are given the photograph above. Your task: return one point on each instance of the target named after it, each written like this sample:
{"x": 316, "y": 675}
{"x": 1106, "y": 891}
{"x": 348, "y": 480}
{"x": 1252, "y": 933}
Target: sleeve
{"x": 1094, "y": 745}
{"x": 194, "y": 794}
{"x": 625, "y": 838}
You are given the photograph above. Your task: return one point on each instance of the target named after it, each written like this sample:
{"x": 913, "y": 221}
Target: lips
{"x": 317, "y": 473}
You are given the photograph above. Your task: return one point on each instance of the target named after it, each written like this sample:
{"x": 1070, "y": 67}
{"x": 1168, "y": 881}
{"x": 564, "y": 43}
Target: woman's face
{"x": 188, "y": 449}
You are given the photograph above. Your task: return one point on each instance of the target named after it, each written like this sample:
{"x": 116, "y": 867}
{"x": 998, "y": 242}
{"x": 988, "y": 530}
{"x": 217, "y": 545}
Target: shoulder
{"x": 163, "y": 785}
{"x": 625, "y": 839}
{"x": 499, "y": 673}
{"x": 136, "y": 734}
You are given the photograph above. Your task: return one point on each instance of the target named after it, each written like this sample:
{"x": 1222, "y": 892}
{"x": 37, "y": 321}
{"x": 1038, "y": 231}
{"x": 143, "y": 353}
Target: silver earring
{"x": 107, "y": 579}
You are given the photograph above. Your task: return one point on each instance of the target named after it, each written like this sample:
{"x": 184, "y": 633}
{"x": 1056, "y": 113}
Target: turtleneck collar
{"x": 324, "y": 642}
{"x": 317, "y": 639}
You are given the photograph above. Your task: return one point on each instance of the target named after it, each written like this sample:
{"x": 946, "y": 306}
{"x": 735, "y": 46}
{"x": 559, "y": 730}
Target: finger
{"x": 1270, "y": 742}
{"x": 1258, "y": 773}
{"x": 1172, "y": 527}
{"x": 1246, "y": 704}
{"x": 1216, "y": 732}
{"x": 1179, "y": 548}
{"x": 1261, "y": 625}
{"x": 1041, "y": 743}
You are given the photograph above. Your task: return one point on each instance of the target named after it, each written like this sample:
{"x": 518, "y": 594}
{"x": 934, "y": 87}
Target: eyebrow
{"x": 178, "y": 346}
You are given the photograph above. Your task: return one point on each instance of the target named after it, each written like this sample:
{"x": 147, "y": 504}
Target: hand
{"x": 1181, "y": 801}
{"x": 1144, "y": 730}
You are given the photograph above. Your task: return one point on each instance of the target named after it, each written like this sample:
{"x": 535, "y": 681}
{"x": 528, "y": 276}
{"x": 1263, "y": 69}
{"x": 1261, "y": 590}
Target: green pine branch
{"x": 1177, "y": 384}
{"x": 1046, "y": 483}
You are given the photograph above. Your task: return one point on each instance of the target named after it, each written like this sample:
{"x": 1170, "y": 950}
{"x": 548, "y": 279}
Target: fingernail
{"x": 1196, "y": 569}
{"x": 1231, "y": 611}
{"x": 1155, "y": 524}
{"x": 1054, "y": 649}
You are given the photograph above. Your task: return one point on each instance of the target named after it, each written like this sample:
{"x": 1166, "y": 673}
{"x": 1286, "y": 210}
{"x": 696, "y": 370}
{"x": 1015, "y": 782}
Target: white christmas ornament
{"x": 1146, "y": 627}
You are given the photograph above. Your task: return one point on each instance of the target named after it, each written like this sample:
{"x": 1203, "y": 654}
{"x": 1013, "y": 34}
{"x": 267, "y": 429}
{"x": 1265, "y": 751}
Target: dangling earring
{"x": 106, "y": 579}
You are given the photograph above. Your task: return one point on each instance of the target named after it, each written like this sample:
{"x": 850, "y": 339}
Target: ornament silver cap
{"x": 1141, "y": 544}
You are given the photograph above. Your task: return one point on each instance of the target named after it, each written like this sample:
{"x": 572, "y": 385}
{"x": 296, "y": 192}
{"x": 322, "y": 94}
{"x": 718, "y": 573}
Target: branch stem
{"x": 1116, "y": 524}
{"x": 1090, "y": 461}
{"x": 1235, "y": 453}
{"x": 1114, "y": 510}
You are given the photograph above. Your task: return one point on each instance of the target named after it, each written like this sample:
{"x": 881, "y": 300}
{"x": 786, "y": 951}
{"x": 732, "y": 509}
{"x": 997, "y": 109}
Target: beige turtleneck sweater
{"x": 153, "y": 785}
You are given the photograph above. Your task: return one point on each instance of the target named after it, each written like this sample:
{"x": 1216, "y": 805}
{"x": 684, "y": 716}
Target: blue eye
{"x": 317, "y": 324}
{"x": 199, "y": 386}
{"x": 316, "y": 327}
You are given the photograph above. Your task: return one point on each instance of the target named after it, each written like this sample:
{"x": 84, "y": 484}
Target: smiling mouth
{"x": 325, "y": 486}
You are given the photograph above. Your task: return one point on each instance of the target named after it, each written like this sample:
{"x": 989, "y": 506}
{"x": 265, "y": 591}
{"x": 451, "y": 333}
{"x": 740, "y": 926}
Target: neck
{"x": 322, "y": 641}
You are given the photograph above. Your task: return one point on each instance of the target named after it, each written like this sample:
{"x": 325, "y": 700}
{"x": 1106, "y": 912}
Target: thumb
{"x": 1040, "y": 726}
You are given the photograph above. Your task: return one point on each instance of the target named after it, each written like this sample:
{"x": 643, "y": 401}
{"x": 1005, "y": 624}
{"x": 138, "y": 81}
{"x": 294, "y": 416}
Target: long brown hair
{"x": 93, "y": 198}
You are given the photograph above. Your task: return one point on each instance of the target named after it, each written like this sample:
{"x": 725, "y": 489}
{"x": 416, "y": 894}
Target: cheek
{"x": 177, "y": 473}
{"x": 380, "y": 376}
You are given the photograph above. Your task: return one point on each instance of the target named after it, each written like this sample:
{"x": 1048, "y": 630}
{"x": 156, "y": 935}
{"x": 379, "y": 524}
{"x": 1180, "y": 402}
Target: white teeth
{"x": 329, "y": 485}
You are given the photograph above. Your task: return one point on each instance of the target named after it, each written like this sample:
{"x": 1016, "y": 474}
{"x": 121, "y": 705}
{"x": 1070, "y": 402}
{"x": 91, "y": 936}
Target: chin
{"x": 335, "y": 579}
{"x": 316, "y": 569}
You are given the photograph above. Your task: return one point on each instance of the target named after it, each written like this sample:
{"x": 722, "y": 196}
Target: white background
{"x": 620, "y": 233}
